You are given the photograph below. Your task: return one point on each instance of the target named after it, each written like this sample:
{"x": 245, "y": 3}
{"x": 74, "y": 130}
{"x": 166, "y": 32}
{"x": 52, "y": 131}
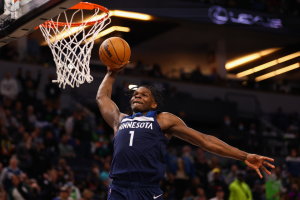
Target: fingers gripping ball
{"x": 114, "y": 52}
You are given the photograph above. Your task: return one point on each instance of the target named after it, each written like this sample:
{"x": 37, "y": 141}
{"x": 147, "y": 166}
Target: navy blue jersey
{"x": 139, "y": 148}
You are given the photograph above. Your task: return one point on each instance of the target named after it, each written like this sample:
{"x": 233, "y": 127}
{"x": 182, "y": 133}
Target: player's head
{"x": 145, "y": 99}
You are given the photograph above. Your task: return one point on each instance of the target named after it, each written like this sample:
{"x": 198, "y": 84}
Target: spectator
{"x": 23, "y": 151}
{"x": 214, "y": 163}
{"x": 294, "y": 194}
{"x": 168, "y": 187}
{"x": 35, "y": 190}
{"x": 93, "y": 178}
{"x": 65, "y": 149}
{"x": 29, "y": 86}
{"x": 62, "y": 165}
{"x": 293, "y": 165}
{"x": 104, "y": 176}
{"x": 232, "y": 174}
{"x": 219, "y": 194}
{"x": 183, "y": 170}
{"x": 19, "y": 191}
{"x": 273, "y": 144}
{"x": 18, "y": 112}
{"x": 273, "y": 185}
{"x": 74, "y": 191}
{"x": 239, "y": 190}
{"x": 102, "y": 151}
{"x": 17, "y": 136}
{"x": 2, "y": 193}
{"x": 251, "y": 177}
{"x": 69, "y": 125}
{"x": 8, "y": 172}
{"x": 50, "y": 185}
{"x": 9, "y": 87}
{"x": 87, "y": 195}
{"x": 202, "y": 167}
{"x": 217, "y": 183}
{"x": 64, "y": 194}
{"x": 200, "y": 194}
{"x": 156, "y": 72}
{"x": 194, "y": 185}
{"x": 51, "y": 145}
{"x": 10, "y": 121}
{"x": 188, "y": 195}
{"x": 40, "y": 161}
{"x": 187, "y": 153}
{"x": 258, "y": 191}
{"x": 49, "y": 113}
{"x": 214, "y": 77}
{"x": 30, "y": 114}
{"x": 83, "y": 135}
{"x": 197, "y": 76}
{"x": 7, "y": 148}
{"x": 52, "y": 92}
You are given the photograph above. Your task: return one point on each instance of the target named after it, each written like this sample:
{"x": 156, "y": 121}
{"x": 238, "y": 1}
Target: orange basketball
{"x": 114, "y": 52}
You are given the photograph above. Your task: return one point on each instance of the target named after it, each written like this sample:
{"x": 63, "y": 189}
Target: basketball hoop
{"x": 71, "y": 44}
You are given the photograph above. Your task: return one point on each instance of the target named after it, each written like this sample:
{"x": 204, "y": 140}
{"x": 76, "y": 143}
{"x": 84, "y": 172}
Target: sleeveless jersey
{"x": 139, "y": 149}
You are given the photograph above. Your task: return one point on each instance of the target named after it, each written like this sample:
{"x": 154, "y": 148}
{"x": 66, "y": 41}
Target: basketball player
{"x": 141, "y": 140}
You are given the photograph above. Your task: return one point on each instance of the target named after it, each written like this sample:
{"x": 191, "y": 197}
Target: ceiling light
{"x": 112, "y": 29}
{"x": 249, "y": 58}
{"x": 132, "y": 15}
{"x": 277, "y": 72}
{"x": 289, "y": 57}
{"x": 268, "y": 64}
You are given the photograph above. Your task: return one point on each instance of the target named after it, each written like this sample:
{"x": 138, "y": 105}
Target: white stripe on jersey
{"x": 140, "y": 119}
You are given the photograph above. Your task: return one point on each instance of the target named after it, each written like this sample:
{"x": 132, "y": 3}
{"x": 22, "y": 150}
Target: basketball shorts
{"x": 123, "y": 190}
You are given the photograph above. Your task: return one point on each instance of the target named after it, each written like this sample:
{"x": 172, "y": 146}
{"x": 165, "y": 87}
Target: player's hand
{"x": 117, "y": 69}
{"x": 257, "y": 162}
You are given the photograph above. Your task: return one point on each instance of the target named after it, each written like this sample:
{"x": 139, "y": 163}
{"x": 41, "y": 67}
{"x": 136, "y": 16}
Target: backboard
{"x": 20, "y": 17}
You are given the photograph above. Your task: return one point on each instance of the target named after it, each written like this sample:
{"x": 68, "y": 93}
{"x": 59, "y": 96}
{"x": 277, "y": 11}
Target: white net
{"x": 72, "y": 46}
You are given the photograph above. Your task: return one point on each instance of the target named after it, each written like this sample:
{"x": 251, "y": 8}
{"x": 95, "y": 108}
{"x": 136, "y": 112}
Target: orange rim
{"x": 82, "y": 6}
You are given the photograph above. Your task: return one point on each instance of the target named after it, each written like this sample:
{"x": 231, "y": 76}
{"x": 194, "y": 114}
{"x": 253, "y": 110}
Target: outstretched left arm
{"x": 177, "y": 127}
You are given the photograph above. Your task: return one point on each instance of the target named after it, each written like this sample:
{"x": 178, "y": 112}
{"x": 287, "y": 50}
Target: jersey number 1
{"x": 131, "y": 137}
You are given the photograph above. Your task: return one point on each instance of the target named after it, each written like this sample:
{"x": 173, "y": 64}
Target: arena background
{"x": 187, "y": 49}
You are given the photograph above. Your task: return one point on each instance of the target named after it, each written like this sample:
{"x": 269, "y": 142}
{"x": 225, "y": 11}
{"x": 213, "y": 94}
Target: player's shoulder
{"x": 166, "y": 115}
{"x": 122, "y": 116}
{"x": 167, "y": 118}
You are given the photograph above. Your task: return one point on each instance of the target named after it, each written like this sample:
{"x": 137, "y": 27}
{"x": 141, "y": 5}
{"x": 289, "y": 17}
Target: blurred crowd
{"x": 34, "y": 55}
{"x": 191, "y": 176}
{"x": 49, "y": 153}
{"x": 212, "y": 78}
{"x": 286, "y": 7}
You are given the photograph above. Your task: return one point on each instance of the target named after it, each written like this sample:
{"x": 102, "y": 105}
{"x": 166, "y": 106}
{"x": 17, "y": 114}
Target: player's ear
{"x": 154, "y": 105}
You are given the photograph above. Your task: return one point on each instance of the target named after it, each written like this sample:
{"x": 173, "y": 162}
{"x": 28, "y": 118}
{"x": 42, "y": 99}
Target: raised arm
{"x": 108, "y": 108}
{"x": 175, "y": 126}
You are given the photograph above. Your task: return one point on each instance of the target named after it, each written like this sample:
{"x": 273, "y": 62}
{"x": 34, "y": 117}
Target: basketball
{"x": 114, "y": 52}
